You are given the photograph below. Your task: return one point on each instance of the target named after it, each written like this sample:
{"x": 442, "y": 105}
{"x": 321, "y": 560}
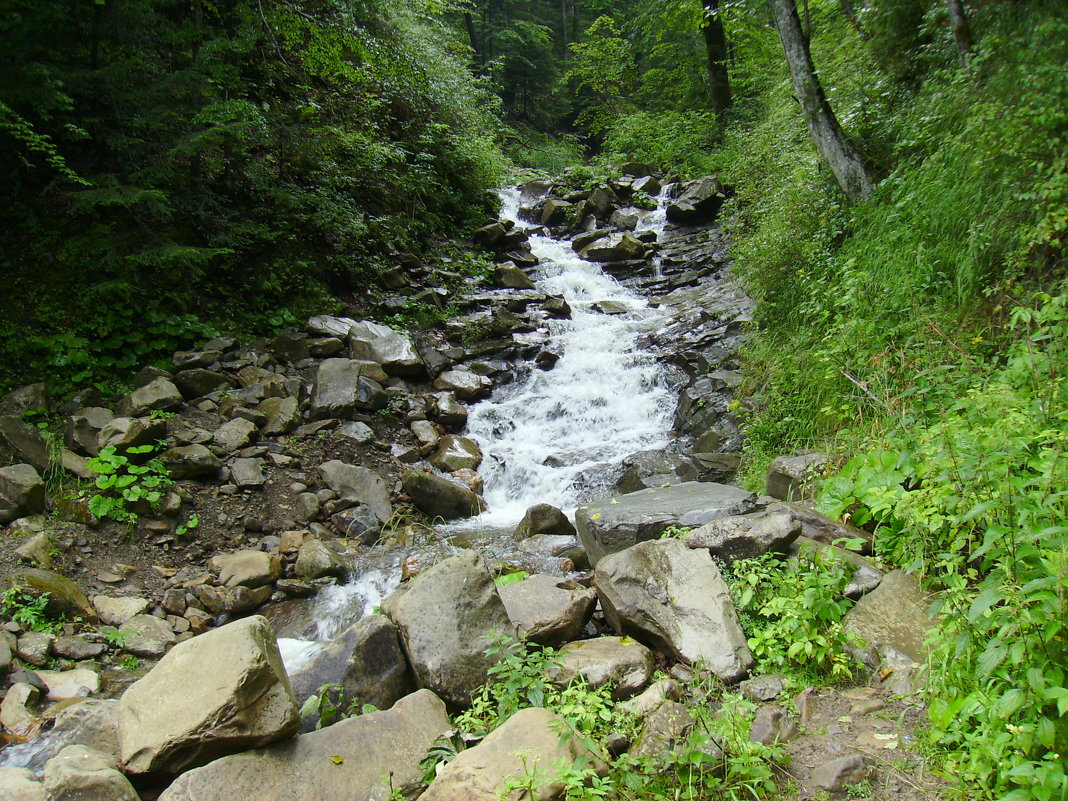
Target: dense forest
{"x": 899, "y": 169}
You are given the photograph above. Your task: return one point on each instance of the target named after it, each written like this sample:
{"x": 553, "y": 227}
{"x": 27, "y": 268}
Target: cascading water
{"x": 545, "y": 435}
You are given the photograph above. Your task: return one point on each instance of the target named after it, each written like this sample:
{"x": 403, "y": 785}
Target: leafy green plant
{"x": 182, "y": 529}
{"x": 329, "y": 704}
{"x": 29, "y": 611}
{"x": 514, "y": 577}
{"x": 118, "y": 638}
{"x": 130, "y": 662}
{"x": 792, "y": 613}
{"x": 123, "y": 484}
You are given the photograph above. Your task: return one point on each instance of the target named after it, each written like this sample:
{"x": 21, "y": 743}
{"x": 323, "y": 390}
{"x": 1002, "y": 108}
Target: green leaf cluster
{"x": 125, "y": 487}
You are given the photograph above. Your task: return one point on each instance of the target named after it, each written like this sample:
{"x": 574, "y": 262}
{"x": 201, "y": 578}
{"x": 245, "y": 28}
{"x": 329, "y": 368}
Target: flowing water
{"x": 551, "y": 435}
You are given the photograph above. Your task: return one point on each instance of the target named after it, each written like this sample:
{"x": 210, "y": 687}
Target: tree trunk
{"x": 840, "y": 154}
{"x": 469, "y": 22}
{"x": 851, "y": 14}
{"x": 962, "y": 36}
{"x": 716, "y": 48}
{"x": 563, "y": 20}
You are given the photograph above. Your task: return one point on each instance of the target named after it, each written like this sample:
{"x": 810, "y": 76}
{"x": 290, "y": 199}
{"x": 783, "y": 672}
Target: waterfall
{"x": 551, "y": 435}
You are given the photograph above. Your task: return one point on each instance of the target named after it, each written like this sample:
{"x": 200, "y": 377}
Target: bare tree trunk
{"x": 962, "y": 35}
{"x": 850, "y": 12}
{"x": 841, "y": 155}
{"x": 469, "y": 23}
{"x": 716, "y": 49}
{"x": 807, "y": 18}
{"x": 563, "y": 30}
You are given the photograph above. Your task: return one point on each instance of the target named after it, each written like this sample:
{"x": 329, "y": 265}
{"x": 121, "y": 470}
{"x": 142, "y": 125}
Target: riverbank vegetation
{"x": 174, "y": 169}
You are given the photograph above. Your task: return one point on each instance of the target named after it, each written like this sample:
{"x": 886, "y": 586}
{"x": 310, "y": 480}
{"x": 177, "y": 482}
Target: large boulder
{"x": 447, "y": 616}
{"x": 191, "y": 462}
{"x": 382, "y": 345}
{"x": 84, "y": 427}
{"x": 19, "y": 784}
{"x": 366, "y": 659}
{"x": 64, "y": 596}
{"x": 792, "y": 477}
{"x": 547, "y": 609}
{"x": 625, "y": 662}
{"x": 893, "y": 616}
{"x": 283, "y": 416}
{"x": 745, "y": 536}
{"x": 651, "y": 469}
{"x": 248, "y": 568}
{"x": 531, "y": 740}
{"x": 356, "y": 485}
{"x": 554, "y": 211}
{"x": 364, "y": 758}
{"x": 20, "y": 442}
{"x": 159, "y": 395}
{"x": 342, "y": 386}
{"x": 612, "y": 524}
{"x": 464, "y": 384}
{"x": 93, "y": 722}
{"x": 436, "y": 496}
{"x": 455, "y": 453}
{"x": 674, "y": 599}
{"x": 79, "y": 773}
{"x": 316, "y": 560}
{"x": 22, "y": 492}
{"x": 541, "y": 518}
{"x": 127, "y": 432}
{"x": 699, "y": 202}
{"x": 175, "y": 718}
{"x": 616, "y": 247}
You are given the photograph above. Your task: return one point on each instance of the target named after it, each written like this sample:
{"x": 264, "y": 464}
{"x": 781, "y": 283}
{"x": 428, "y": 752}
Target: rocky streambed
{"x": 346, "y": 495}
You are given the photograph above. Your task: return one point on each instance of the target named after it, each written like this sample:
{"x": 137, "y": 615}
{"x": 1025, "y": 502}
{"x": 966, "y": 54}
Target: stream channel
{"x": 553, "y": 437}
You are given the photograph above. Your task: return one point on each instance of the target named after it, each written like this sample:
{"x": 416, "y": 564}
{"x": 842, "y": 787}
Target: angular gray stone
{"x": 36, "y": 550}
{"x": 699, "y": 202}
{"x": 327, "y": 326}
{"x": 647, "y": 702}
{"x": 381, "y": 344}
{"x": 447, "y": 616}
{"x": 541, "y": 518}
{"x": 159, "y": 395}
{"x": 116, "y": 611}
{"x": 625, "y": 662}
{"x": 247, "y": 473}
{"x": 172, "y": 719}
{"x": 745, "y": 536}
{"x": 354, "y": 760}
{"x": 22, "y": 492}
{"x": 665, "y": 729}
{"x": 610, "y": 525}
{"x": 283, "y": 416}
{"x": 248, "y": 568}
{"x": 791, "y": 477}
{"x": 234, "y": 435}
{"x": 18, "y": 710}
{"x": 84, "y": 427}
{"x": 893, "y": 615}
{"x": 455, "y": 453}
{"x": 548, "y": 610}
{"x": 653, "y": 469}
{"x": 76, "y": 648}
{"x": 366, "y": 659}
{"x": 93, "y": 722}
{"x": 78, "y": 773}
{"x": 198, "y": 382}
{"x": 360, "y": 433}
{"x": 148, "y": 636}
{"x": 192, "y": 359}
{"x": 128, "y": 432}
{"x": 531, "y": 740}
{"x": 35, "y": 647}
{"x": 25, "y": 399}
{"x": 464, "y": 384}
{"x": 435, "y": 496}
{"x": 675, "y": 600}
{"x": 20, "y": 442}
{"x": 554, "y": 211}
{"x": 191, "y": 462}
{"x": 316, "y": 560}
{"x": 616, "y": 247}
{"x": 358, "y": 485}
{"x": 511, "y": 277}
{"x": 65, "y": 597}
{"x": 342, "y": 386}
{"x": 840, "y": 774}
{"x": 772, "y": 724}
{"x": 358, "y": 523}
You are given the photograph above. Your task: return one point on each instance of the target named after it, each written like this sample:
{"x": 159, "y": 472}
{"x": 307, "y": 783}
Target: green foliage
{"x": 117, "y": 638}
{"x": 716, "y": 759}
{"x": 792, "y": 614}
{"x": 970, "y": 490}
{"x": 28, "y": 610}
{"x": 514, "y": 577}
{"x": 329, "y": 704}
{"x": 124, "y": 486}
{"x": 681, "y": 141}
{"x": 242, "y": 160}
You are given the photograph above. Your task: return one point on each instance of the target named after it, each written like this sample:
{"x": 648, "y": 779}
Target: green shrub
{"x": 124, "y": 485}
